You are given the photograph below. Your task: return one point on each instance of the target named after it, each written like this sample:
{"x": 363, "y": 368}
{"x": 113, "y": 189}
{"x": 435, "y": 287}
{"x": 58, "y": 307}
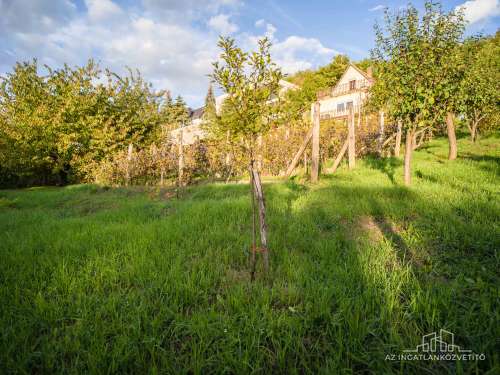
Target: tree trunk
{"x": 397, "y": 148}
{"x": 351, "y": 149}
{"x": 408, "y": 152}
{"x": 315, "y": 144}
{"x": 261, "y": 207}
{"x": 259, "y": 153}
{"x": 452, "y": 138}
{"x": 473, "y": 131}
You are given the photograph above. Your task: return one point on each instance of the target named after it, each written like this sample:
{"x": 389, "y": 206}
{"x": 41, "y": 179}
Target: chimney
{"x": 369, "y": 72}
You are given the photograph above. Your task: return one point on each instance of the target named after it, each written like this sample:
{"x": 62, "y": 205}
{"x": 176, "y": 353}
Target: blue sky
{"x": 173, "y": 42}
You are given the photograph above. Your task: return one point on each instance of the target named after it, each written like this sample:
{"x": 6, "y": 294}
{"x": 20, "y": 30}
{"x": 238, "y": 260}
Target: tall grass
{"x": 99, "y": 280}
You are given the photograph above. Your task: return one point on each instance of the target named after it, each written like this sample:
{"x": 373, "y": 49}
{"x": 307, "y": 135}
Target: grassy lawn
{"x": 100, "y": 280}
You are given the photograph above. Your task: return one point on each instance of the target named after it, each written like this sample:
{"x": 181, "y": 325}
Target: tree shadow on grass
{"x": 385, "y": 165}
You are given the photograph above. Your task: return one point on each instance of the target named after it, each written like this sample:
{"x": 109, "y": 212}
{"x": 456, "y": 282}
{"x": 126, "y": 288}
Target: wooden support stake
{"x": 351, "y": 149}
{"x": 299, "y": 153}
{"x": 388, "y": 140}
{"x": 315, "y": 144}
{"x": 261, "y": 207}
{"x": 340, "y": 156}
{"x": 381, "y": 131}
{"x": 129, "y": 159}
{"x": 181, "y": 158}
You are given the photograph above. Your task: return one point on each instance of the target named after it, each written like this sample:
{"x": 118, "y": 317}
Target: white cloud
{"x": 294, "y": 53}
{"x": 376, "y": 8}
{"x": 222, "y": 25}
{"x": 173, "y": 53}
{"x": 260, "y": 23}
{"x": 102, "y": 10}
{"x": 41, "y": 16}
{"x": 297, "y": 53}
{"x": 477, "y": 10}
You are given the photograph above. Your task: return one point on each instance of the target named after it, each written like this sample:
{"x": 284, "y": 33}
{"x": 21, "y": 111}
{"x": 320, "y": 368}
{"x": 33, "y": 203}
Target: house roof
{"x": 362, "y": 72}
{"x": 358, "y": 70}
{"x": 197, "y": 113}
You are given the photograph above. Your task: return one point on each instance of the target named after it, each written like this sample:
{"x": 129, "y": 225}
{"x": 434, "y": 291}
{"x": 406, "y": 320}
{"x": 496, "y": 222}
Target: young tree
{"x": 480, "y": 87}
{"x": 251, "y": 81}
{"x": 210, "y": 108}
{"x": 413, "y": 77}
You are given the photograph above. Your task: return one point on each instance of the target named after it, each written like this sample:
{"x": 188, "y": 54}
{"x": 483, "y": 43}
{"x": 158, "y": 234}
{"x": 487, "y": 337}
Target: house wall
{"x": 194, "y": 131}
{"x": 328, "y": 105}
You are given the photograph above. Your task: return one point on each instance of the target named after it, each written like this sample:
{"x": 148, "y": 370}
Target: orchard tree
{"x": 480, "y": 87}
{"x": 251, "y": 81}
{"x": 413, "y": 77}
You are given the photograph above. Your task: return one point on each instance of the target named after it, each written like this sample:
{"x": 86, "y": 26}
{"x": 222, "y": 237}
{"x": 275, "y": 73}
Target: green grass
{"x": 98, "y": 280}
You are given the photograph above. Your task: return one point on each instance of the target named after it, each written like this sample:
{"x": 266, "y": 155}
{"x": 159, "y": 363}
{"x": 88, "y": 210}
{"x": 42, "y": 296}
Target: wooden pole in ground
{"x": 261, "y": 207}
{"x": 340, "y": 156}
{"x": 315, "y": 144}
{"x": 351, "y": 149}
{"x": 299, "y": 153}
{"x": 129, "y": 160}
{"x": 381, "y": 130}
{"x": 181, "y": 158}
{"x": 253, "y": 259}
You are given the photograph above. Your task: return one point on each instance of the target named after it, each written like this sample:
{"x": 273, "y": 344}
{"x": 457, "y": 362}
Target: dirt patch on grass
{"x": 367, "y": 225}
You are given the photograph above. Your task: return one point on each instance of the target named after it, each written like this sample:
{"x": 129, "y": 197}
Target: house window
{"x": 352, "y": 85}
{"x": 349, "y": 105}
{"x": 340, "y": 107}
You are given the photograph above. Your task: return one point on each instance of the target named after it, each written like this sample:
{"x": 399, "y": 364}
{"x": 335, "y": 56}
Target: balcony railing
{"x": 336, "y": 113}
{"x": 344, "y": 88}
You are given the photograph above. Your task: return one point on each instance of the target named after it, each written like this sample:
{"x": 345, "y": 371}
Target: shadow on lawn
{"x": 443, "y": 235}
{"x": 385, "y": 165}
{"x": 335, "y": 305}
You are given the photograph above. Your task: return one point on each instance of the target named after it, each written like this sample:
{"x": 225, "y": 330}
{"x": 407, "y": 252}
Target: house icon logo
{"x": 442, "y": 343}
{"x": 437, "y": 347}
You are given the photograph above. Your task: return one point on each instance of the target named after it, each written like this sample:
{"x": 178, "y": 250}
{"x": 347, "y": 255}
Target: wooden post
{"x": 381, "y": 130}
{"x": 315, "y": 144}
{"x": 129, "y": 159}
{"x": 340, "y": 156}
{"x": 181, "y": 158}
{"x": 397, "y": 147}
{"x": 261, "y": 207}
{"x": 299, "y": 153}
{"x": 351, "y": 149}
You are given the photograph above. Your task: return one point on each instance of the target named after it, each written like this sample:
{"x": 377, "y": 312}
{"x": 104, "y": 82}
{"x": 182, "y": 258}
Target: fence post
{"x": 129, "y": 159}
{"x": 352, "y": 140}
{"x": 381, "y": 131}
{"x": 315, "y": 144}
{"x": 181, "y": 158}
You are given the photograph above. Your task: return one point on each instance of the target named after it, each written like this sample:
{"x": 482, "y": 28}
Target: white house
{"x": 194, "y": 131}
{"x": 350, "y": 91}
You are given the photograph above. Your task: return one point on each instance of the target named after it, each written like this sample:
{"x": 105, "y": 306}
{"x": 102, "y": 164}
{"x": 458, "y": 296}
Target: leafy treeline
{"x": 58, "y": 126}
{"x": 427, "y": 74}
